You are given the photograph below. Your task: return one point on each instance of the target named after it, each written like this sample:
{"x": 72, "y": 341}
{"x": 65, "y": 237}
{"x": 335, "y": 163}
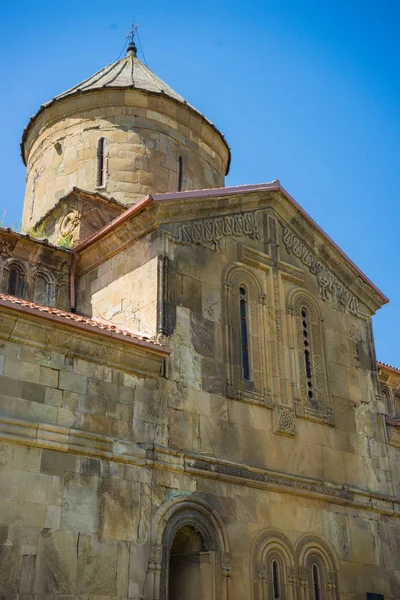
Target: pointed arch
{"x": 317, "y": 569}
{"x": 273, "y": 569}
{"x": 245, "y": 335}
{"x": 172, "y": 517}
{"x": 312, "y": 396}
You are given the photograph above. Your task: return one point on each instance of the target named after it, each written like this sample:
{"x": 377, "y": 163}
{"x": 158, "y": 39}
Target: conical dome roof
{"x": 129, "y": 72}
{"x": 126, "y": 73}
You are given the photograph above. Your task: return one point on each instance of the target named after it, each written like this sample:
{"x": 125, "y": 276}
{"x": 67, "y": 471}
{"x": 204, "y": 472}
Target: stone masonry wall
{"x": 123, "y": 289}
{"x": 144, "y": 135}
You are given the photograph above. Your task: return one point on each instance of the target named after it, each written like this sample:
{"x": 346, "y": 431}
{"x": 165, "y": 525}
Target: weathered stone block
{"x": 73, "y": 382}
{"x": 27, "y": 574}
{"x": 213, "y": 376}
{"x": 80, "y": 506}
{"x": 33, "y": 392}
{"x": 97, "y": 566}
{"x": 120, "y": 514}
{"x": 53, "y": 396}
{"x": 56, "y": 562}
{"x": 57, "y": 463}
{"x": 202, "y": 335}
{"x": 10, "y": 566}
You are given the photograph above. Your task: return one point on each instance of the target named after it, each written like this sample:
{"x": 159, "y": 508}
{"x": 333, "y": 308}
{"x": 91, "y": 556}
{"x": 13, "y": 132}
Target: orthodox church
{"x": 190, "y": 403}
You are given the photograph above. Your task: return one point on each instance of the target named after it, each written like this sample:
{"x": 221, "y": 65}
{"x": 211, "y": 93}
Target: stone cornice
{"x": 63, "y": 439}
{"x": 34, "y": 249}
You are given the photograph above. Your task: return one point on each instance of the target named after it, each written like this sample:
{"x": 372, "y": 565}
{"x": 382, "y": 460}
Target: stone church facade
{"x": 190, "y": 403}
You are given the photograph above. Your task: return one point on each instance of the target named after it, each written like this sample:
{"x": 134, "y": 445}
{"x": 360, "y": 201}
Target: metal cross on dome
{"x": 131, "y": 38}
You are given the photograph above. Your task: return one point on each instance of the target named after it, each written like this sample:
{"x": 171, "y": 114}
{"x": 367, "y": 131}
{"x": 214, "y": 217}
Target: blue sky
{"x": 306, "y": 92}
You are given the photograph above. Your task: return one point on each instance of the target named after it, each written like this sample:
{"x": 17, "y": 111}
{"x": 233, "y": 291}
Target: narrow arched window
{"x": 180, "y": 173}
{"x": 12, "y": 281}
{"x": 397, "y": 405}
{"x": 101, "y": 162}
{"x": 244, "y": 333}
{"x": 307, "y": 352}
{"x": 316, "y": 583}
{"x": 275, "y": 580}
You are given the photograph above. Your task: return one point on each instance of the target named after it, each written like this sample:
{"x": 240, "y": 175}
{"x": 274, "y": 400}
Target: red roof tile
{"x": 385, "y": 366}
{"x": 81, "y": 321}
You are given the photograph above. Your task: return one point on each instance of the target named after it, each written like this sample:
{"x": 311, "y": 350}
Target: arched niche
{"x": 273, "y": 567}
{"x": 14, "y": 279}
{"x": 316, "y": 561}
{"x": 245, "y": 383}
{"x": 43, "y": 288}
{"x": 189, "y": 554}
{"x": 306, "y": 329}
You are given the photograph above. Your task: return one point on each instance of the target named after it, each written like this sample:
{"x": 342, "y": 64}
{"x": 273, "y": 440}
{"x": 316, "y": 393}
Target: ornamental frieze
{"x": 211, "y": 230}
{"x": 330, "y": 288}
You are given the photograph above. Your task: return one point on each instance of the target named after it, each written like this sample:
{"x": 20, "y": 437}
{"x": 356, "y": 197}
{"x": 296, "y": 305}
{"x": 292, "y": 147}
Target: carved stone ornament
{"x": 155, "y": 559}
{"x": 226, "y": 563}
{"x": 69, "y": 224}
{"x": 7, "y": 245}
{"x": 285, "y": 421}
{"x": 330, "y": 288}
{"x": 211, "y": 230}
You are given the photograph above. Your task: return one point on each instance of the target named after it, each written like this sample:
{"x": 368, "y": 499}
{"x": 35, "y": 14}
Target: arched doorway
{"x": 190, "y": 569}
{"x": 189, "y": 555}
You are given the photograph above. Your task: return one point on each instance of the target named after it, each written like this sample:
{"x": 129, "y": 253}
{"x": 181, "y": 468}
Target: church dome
{"x": 129, "y": 72}
{"x": 123, "y": 132}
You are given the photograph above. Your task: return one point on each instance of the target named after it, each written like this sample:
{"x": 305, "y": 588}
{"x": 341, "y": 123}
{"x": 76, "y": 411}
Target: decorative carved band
{"x": 184, "y": 560}
{"x": 213, "y": 229}
{"x": 330, "y": 287}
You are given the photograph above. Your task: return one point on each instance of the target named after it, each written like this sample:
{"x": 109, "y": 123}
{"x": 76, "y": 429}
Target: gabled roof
{"x": 245, "y": 191}
{"x": 109, "y": 200}
{"x": 81, "y": 322}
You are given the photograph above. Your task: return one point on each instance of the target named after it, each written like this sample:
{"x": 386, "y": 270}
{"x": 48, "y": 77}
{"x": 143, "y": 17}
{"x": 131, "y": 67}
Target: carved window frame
{"x": 252, "y": 389}
{"x": 269, "y": 546}
{"x": 21, "y": 278}
{"x": 313, "y": 550}
{"x": 319, "y": 408}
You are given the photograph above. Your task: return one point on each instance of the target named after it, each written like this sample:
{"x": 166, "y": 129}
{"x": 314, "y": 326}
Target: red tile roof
{"x": 385, "y": 366}
{"x": 81, "y": 322}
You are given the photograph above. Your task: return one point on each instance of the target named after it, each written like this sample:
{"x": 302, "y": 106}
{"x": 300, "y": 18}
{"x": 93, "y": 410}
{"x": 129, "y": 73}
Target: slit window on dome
{"x": 275, "y": 580}
{"x": 101, "y": 162}
{"x": 244, "y": 333}
{"x": 180, "y": 173}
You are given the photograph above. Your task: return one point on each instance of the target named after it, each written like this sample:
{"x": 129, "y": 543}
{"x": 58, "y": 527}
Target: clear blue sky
{"x": 307, "y": 92}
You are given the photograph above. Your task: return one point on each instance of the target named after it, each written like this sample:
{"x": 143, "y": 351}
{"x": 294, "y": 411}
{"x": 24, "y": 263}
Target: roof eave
{"x": 84, "y": 328}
